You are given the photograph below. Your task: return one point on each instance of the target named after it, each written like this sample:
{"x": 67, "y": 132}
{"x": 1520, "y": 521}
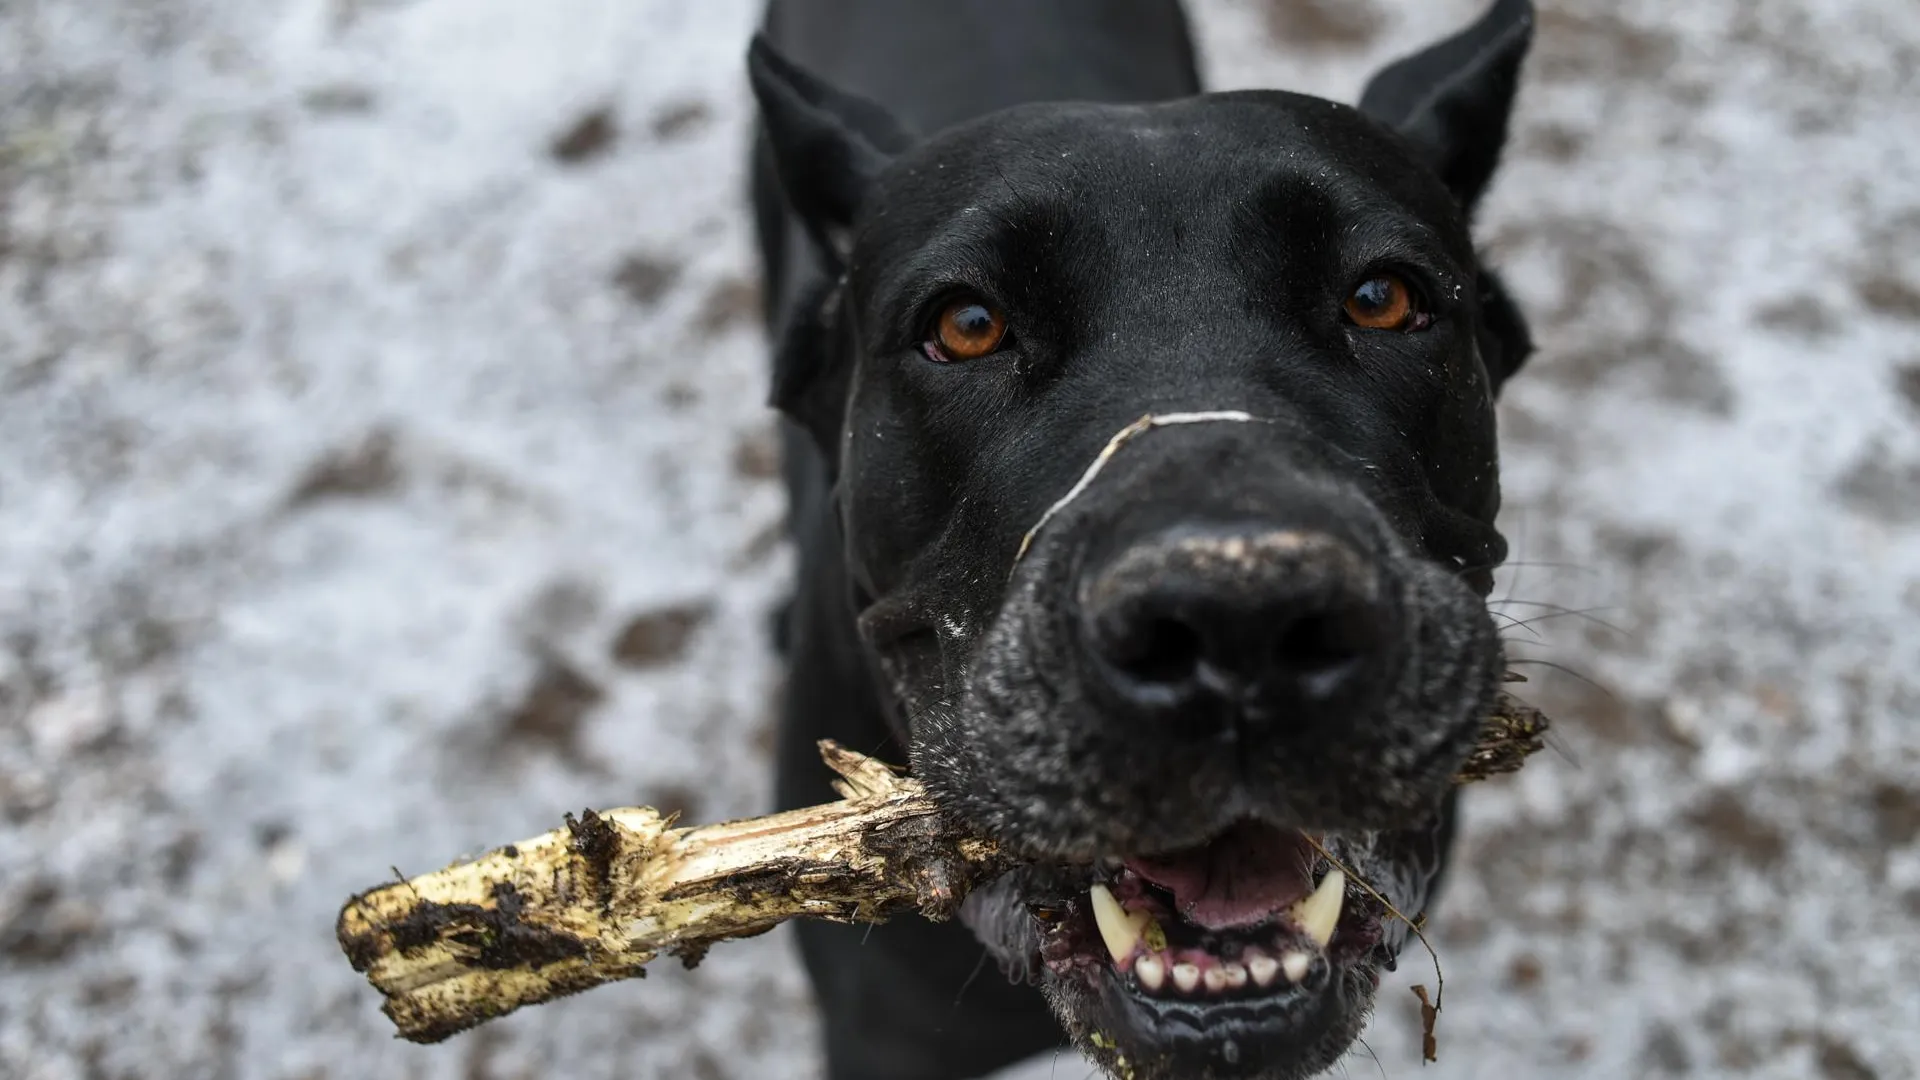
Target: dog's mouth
{"x": 1256, "y": 916}
{"x": 1253, "y": 954}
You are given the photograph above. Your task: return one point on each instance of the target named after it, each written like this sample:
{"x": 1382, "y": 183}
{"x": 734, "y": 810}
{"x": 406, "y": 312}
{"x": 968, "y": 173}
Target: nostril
{"x": 1323, "y": 648}
{"x": 1173, "y": 651}
{"x": 1327, "y": 639}
{"x": 1156, "y": 650}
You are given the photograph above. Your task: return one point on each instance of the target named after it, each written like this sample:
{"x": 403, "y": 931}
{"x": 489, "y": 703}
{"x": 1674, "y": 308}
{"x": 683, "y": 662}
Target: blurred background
{"x": 383, "y": 472}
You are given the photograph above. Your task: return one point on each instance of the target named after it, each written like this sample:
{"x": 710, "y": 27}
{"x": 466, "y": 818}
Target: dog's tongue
{"x": 1246, "y": 876}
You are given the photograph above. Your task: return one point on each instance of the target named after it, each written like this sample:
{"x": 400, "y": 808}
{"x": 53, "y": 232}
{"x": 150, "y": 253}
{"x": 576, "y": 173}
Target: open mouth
{"x": 1256, "y": 925}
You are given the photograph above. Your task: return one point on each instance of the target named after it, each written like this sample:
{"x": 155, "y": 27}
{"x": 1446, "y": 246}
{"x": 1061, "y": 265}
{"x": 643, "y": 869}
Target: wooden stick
{"x": 598, "y": 900}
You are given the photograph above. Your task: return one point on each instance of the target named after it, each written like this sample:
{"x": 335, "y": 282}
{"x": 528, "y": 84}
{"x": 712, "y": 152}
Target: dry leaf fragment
{"x": 1429, "y": 1018}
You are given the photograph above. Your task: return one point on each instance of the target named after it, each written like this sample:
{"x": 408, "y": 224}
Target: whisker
{"x": 978, "y": 967}
{"x": 1557, "y": 611}
{"x": 1517, "y": 624}
{"x": 1505, "y": 564}
{"x": 1559, "y": 746}
{"x": 1377, "y": 1063}
{"x": 1565, "y": 670}
{"x": 1586, "y": 613}
{"x": 1513, "y": 586}
{"x": 1530, "y": 603}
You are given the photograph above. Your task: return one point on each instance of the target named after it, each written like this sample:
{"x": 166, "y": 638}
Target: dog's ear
{"x": 1505, "y": 342}
{"x": 820, "y": 147}
{"x": 1452, "y": 99}
{"x": 827, "y": 144}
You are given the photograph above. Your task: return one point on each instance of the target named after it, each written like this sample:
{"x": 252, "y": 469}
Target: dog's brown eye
{"x": 967, "y": 329}
{"x": 1384, "y": 302}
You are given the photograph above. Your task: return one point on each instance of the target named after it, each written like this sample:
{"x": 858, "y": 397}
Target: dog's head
{"x": 1251, "y": 637}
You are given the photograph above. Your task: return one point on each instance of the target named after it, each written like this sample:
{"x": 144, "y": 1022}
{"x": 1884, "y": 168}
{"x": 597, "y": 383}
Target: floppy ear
{"x": 1452, "y": 99}
{"x": 827, "y": 145}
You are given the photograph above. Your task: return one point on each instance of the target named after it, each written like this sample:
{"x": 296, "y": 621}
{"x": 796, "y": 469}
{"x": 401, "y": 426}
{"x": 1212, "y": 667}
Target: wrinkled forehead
{"x": 1186, "y": 173}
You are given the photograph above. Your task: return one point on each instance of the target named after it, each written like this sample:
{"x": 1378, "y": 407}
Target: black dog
{"x": 1260, "y": 625}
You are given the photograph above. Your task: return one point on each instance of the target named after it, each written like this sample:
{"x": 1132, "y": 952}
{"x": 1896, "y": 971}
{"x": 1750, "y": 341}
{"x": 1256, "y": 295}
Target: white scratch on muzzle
{"x": 1120, "y": 438}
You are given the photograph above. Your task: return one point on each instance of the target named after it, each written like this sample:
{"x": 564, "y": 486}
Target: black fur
{"x": 1155, "y": 250}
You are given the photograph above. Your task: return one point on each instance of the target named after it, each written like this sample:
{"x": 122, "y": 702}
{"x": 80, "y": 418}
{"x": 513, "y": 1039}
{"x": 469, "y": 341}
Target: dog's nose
{"x": 1215, "y": 627}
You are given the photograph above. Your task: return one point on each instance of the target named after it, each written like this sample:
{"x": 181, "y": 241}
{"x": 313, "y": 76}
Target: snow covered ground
{"x": 383, "y": 473}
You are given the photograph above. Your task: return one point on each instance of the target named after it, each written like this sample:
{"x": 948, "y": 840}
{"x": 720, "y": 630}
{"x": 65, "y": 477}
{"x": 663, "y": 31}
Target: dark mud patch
{"x": 499, "y": 939}
{"x": 1896, "y": 813}
{"x": 1323, "y": 24}
{"x": 590, "y": 136}
{"x": 552, "y": 714}
{"x": 1906, "y": 380}
{"x": 1839, "y": 1061}
{"x": 734, "y": 303}
{"x": 679, "y": 119}
{"x": 1879, "y": 487}
{"x": 756, "y": 455}
{"x": 44, "y": 927}
{"x": 367, "y": 469}
{"x": 655, "y": 639}
{"x": 1555, "y": 142}
{"x": 1887, "y": 294}
{"x": 646, "y": 279}
{"x": 1734, "y": 828}
{"x": 598, "y": 844}
{"x": 1801, "y": 316}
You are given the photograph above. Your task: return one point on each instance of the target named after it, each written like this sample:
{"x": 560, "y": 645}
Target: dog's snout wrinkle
{"x": 1217, "y": 626}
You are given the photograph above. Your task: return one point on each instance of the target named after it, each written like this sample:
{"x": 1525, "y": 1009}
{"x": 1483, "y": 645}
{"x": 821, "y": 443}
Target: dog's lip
{"x": 1144, "y": 1025}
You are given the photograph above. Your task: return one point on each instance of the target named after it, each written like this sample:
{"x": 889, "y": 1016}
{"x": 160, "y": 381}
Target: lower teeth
{"x": 1296, "y": 964}
{"x": 1157, "y": 972}
{"x": 1263, "y": 969}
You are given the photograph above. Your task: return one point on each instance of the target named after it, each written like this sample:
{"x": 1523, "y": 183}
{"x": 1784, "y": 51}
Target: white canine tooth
{"x": 1236, "y": 976}
{"x": 1120, "y": 930}
{"x": 1151, "y": 971}
{"x": 1216, "y": 980}
{"x": 1295, "y": 963}
{"x": 1186, "y": 977}
{"x": 1320, "y": 913}
{"x": 1263, "y": 968}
